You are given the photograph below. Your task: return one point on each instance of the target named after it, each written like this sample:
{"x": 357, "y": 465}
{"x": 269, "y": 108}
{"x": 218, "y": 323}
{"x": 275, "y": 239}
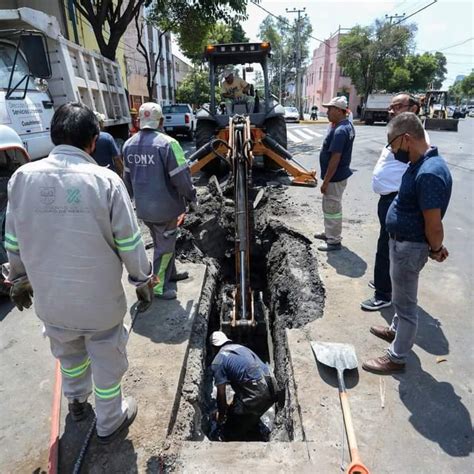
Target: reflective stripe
{"x": 129, "y": 243}
{"x": 165, "y": 260}
{"x": 75, "y": 372}
{"x": 178, "y": 153}
{"x": 178, "y": 170}
{"x": 11, "y": 247}
{"x": 11, "y": 242}
{"x": 107, "y": 393}
{"x": 337, "y": 215}
{"x": 11, "y": 237}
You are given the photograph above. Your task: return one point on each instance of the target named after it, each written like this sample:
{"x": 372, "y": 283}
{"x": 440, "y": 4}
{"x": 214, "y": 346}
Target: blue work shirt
{"x": 236, "y": 364}
{"x": 426, "y": 184}
{"x": 105, "y": 150}
{"x": 338, "y": 140}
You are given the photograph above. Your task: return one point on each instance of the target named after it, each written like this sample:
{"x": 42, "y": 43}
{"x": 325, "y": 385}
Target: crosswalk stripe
{"x": 301, "y": 133}
{"x": 293, "y": 138}
{"x": 312, "y": 132}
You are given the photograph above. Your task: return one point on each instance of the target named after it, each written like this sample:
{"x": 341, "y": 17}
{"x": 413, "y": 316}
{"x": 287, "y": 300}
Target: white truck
{"x": 179, "y": 119}
{"x": 376, "y": 108}
{"x": 41, "y": 70}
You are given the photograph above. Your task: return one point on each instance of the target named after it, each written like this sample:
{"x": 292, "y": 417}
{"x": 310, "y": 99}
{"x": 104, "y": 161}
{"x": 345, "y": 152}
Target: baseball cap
{"x": 339, "y": 102}
{"x": 218, "y": 338}
{"x": 150, "y": 115}
{"x": 227, "y": 73}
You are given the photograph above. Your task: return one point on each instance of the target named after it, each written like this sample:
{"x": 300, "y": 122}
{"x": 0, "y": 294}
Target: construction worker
{"x": 254, "y": 386}
{"x": 234, "y": 87}
{"x": 158, "y": 176}
{"x": 106, "y": 152}
{"x": 69, "y": 227}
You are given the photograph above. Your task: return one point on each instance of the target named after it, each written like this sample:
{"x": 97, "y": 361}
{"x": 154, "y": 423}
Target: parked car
{"x": 179, "y": 119}
{"x": 458, "y": 113}
{"x": 471, "y": 113}
{"x": 292, "y": 114}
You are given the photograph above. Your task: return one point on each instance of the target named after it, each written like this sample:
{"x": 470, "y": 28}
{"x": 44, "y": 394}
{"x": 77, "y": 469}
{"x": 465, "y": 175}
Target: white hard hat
{"x": 218, "y": 338}
{"x": 150, "y": 115}
{"x": 10, "y": 140}
{"x": 100, "y": 117}
{"x": 227, "y": 73}
{"x": 339, "y": 102}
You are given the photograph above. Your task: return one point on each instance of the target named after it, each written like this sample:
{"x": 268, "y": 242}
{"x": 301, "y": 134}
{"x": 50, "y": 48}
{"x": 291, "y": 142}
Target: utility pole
{"x": 396, "y": 17}
{"x": 298, "y": 60}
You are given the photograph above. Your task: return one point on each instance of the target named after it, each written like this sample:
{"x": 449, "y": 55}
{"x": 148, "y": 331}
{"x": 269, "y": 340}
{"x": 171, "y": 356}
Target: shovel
{"x": 342, "y": 357}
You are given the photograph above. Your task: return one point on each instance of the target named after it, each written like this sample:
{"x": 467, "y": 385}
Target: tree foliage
{"x": 462, "y": 91}
{"x": 192, "y": 21}
{"x": 282, "y": 36}
{"x": 195, "y": 88}
{"x": 368, "y": 54}
{"x": 109, "y": 20}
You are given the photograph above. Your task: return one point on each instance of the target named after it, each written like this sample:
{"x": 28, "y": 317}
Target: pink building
{"x": 325, "y": 79}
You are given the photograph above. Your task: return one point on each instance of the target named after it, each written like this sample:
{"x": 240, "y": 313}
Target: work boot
{"x": 374, "y": 304}
{"x": 382, "y": 365}
{"x": 383, "y": 332}
{"x": 167, "y": 295}
{"x": 79, "y": 410}
{"x": 330, "y": 247}
{"x": 321, "y": 236}
{"x": 132, "y": 410}
{"x": 178, "y": 276}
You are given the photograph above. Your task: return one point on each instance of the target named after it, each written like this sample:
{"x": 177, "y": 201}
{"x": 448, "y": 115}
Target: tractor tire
{"x": 205, "y": 132}
{"x": 276, "y": 128}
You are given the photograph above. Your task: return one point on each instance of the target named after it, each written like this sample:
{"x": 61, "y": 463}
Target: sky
{"x": 441, "y": 26}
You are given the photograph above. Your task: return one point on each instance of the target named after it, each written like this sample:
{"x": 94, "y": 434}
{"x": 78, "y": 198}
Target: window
{"x": 7, "y": 56}
{"x": 330, "y": 71}
{"x": 176, "y": 109}
{"x": 163, "y": 92}
{"x": 320, "y": 71}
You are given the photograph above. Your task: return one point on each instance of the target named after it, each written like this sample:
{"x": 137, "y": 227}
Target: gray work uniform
{"x": 69, "y": 227}
{"x": 157, "y": 175}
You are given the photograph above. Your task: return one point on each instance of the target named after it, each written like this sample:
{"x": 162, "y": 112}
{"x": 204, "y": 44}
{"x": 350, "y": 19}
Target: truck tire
{"x": 205, "y": 132}
{"x": 276, "y": 128}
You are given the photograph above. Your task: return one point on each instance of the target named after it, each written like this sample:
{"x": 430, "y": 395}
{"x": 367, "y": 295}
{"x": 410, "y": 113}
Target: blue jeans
{"x": 407, "y": 259}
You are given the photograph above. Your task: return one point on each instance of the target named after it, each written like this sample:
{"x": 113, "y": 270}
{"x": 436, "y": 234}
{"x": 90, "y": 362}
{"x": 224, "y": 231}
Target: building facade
{"x": 180, "y": 69}
{"x": 325, "y": 79}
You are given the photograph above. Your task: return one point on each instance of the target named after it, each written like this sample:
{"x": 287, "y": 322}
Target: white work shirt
{"x": 388, "y": 172}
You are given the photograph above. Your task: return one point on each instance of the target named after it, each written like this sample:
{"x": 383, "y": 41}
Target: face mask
{"x": 402, "y": 155}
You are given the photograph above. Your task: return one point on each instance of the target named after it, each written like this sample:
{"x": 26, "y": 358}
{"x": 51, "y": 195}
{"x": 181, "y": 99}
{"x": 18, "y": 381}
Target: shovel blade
{"x": 336, "y": 355}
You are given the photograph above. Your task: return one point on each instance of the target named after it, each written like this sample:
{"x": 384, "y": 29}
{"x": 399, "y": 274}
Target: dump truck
{"x": 40, "y": 70}
{"x": 249, "y": 133}
{"x": 376, "y": 108}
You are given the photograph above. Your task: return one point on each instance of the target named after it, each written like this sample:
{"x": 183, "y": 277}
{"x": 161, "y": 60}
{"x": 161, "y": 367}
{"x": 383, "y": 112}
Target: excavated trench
{"x": 288, "y": 294}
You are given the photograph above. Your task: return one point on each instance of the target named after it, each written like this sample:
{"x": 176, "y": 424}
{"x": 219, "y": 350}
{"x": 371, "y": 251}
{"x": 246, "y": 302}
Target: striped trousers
{"x": 332, "y": 210}
{"x": 93, "y": 362}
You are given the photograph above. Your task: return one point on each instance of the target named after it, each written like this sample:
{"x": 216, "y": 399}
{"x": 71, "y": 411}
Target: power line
{"x": 414, "y": 13}
{"x": 280, "y": 18}
{"x": 457, "y": 44}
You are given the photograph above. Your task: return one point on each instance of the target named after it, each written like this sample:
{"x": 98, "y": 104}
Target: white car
{"x": 292, "y": 114}
{"x": 471, "y": 113}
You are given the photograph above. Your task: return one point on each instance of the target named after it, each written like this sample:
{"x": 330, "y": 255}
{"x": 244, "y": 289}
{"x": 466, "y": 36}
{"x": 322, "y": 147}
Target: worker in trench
{"x": 256, "y": 390}
{"x": 70, "y": 226}
{"x": 157, "y": 174}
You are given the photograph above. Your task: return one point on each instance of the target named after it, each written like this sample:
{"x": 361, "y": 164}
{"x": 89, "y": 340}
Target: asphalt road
{"x": 438, "y": 441}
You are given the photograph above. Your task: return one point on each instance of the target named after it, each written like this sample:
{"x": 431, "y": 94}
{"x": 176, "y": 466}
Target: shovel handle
{"x": 356, "y": 465}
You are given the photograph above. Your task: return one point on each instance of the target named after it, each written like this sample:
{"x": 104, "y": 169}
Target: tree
{"x": 367, "y": 53}
{"x": 151, "y": 59}
{"x": 282, "y": 36}
{"x": 416, "y": 73}
{"x": 195, "y": 88}
{"x": 456, "y": 94}
{"x": 191, "y": 21}
{"x": 467, "y": 86}
{"x": 109, "y": 18}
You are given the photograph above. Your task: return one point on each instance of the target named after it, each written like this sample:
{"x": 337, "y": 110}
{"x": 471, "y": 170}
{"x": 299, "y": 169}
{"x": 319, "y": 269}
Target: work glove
{"x": 21, "y": 294}
{"x": 145, "y": 294}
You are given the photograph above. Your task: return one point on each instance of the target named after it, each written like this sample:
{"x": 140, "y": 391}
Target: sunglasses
{"x": 388, "y": 146}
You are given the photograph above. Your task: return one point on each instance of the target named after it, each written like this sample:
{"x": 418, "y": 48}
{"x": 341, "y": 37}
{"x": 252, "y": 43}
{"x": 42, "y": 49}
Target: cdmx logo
{"x": 73, "y": 196}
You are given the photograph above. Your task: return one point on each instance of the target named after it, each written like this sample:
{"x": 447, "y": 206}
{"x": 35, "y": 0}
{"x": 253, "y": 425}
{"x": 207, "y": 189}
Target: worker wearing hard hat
{"x": 255, "y": 388}
{"x": 158, "y": 176}
{"x": 67, "y": 239}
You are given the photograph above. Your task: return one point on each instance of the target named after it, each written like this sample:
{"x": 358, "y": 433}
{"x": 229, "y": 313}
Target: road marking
{"x": 293, "y": 138}
{"x": 302, "y": 133}
{"x": 312, "y": 132}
